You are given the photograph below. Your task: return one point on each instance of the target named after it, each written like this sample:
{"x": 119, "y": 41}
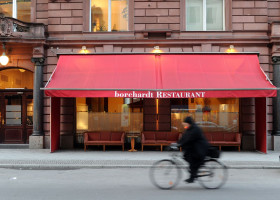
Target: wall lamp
{"x": 231, "y": 49}
{"x": 156, "y": 49}
{"x": 84, "y": 50}
{"x": 4, "y": 59}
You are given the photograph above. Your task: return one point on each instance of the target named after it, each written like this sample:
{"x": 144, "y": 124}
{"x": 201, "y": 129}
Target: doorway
{"x": 16, "y": 116}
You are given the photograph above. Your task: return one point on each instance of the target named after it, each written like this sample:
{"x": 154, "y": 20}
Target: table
{"x": 132, "y": 136}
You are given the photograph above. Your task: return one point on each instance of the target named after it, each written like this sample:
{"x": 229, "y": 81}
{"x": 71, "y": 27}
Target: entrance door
{"x": 16, "y": 119}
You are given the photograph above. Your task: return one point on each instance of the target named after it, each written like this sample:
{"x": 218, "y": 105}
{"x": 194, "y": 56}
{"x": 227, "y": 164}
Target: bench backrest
{"x": 161, "y": 135}
{"x": 173, "y": 136}
{"x": 149, "y": 135}
{"x": 116, "y": 136}
{"x": 223, "y": 136}
{"x": 103, "y": 136}
{"x": 92, "y": 136}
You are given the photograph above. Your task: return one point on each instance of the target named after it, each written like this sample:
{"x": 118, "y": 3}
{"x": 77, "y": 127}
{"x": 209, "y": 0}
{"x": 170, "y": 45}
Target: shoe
{"x": 190, "y": 180}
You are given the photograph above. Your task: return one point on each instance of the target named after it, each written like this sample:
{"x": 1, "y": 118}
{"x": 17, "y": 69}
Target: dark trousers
{"x": 194, "y": 162}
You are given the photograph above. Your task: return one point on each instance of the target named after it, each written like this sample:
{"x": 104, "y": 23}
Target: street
{"x": 130, "y": 184}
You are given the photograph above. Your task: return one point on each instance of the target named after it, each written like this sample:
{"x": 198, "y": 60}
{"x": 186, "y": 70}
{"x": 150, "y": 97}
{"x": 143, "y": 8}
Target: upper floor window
{"x": 109, "y": 15}
{"x": 18, "y": 9}
{"x": 205, "y": 15}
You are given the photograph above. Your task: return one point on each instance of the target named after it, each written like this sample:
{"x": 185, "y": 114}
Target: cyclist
{"x": 194, "y": 145}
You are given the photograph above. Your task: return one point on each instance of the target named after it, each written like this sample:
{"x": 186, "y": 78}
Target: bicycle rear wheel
{"x": 213, "y": 174}
{"x": 165, "y": 174}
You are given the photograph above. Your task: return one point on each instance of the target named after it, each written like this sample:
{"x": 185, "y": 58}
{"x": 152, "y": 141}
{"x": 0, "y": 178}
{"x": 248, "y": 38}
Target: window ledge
{"x": 155, "y": 33}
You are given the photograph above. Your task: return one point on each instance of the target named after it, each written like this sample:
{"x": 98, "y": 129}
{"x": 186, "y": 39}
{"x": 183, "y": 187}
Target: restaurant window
{"x": 108, "y": 114}
{"x": 205, "y": 15}
{"x": 18, "y": 9}
{"x": 109, "y": 15}
{"x": 211, "y": 114}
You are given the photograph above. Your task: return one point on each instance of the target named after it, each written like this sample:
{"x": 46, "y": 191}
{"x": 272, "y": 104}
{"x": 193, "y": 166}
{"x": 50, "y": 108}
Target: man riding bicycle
{"x": 195, "y": 147}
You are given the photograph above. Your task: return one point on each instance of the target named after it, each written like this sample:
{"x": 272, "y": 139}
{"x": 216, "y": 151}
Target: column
{"x": 276, "y": 103}
{"x": 35, "y": 141}
{"x": 276, "y": 100}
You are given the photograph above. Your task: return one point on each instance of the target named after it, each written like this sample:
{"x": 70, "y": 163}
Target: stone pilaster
{"x": 36, "y": 139}
{"x": 276, "y": 100}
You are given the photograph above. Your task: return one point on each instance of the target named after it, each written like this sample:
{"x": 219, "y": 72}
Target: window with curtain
{"x": 108, "y": 15}
{"x": 18, "y": 9}
{"x": 205, "y": 15}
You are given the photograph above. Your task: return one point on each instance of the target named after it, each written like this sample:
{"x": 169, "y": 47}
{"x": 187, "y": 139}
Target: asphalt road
{"x": 130, "y": 184}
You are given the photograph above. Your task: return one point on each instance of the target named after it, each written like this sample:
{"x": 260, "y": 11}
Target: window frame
{"x": 14, "y": 10}
{"x": 227, "y": 12}
{"x": 87, "y": 18}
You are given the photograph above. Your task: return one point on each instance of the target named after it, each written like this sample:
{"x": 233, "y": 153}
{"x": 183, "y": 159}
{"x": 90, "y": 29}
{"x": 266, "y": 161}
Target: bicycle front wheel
{"x": 165, "y": 174}
{"x": 213, "y": 174}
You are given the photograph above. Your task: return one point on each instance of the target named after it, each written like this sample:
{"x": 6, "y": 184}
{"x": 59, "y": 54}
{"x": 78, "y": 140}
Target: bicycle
{"x": 166, "y": 173}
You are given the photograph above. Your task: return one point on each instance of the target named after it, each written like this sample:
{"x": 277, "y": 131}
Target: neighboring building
{"x": 51, "y": 28}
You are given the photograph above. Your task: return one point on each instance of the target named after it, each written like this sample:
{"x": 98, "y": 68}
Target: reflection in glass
{"x": 214, "y": 15}
{"x": 194, "y": 15}
{"x": 211, "y": 114}
{"x": 108, "y": 114}
{"x": 204, "y": 15}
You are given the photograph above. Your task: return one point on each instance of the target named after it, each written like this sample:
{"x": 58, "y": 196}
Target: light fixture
{"x": 4, "y": 59}
{"x": 21, "y": 70}
{"x": 231, "y": 49}
{"x": 156, "y": 49}
{"x": 84, "y": 49}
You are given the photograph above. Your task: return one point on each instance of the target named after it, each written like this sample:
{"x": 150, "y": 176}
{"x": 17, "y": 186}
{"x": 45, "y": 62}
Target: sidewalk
{"x": 72, "y": 159}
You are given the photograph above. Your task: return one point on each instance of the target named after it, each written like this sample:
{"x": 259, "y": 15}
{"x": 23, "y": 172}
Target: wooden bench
{"x": 224, "y": 139}
{"x": 103, "y": 138}
{"x": 158, "y": 138}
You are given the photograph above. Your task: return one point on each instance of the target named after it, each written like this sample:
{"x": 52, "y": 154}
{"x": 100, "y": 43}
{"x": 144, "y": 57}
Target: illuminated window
{"x": 109, "y": 15}
{"x": 19, "y": 9}
{"x": 108, "y": 114}
{"x": 205, "y": 15}
{"x": 211, "y": 114}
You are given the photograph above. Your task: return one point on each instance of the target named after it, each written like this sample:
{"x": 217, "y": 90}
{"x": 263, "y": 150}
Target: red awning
{"x": 159, "y": 76}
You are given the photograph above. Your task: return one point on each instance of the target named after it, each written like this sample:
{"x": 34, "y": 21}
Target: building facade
{"x": 35, "y": 33}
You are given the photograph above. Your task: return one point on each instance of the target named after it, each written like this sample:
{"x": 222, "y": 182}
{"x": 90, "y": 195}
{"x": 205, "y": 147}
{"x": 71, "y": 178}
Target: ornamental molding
{"x": 6, "y": 27}
{"x": 276, "y": 59}
{"x": 13, "y": 28}
{"x": 38, "y": 61}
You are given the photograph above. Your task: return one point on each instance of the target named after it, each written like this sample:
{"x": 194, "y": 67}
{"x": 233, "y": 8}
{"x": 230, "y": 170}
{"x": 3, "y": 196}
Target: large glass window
{"x": 109, "y": 15}
{"x": 108, "y": 114}
{"x": 19, "y": 9}
{"x": 205, "y": 15}
{"x": 211, "y": 114}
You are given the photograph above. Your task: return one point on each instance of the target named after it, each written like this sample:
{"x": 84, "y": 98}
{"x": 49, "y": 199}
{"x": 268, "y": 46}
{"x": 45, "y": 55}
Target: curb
{"x": 74, "y": 166}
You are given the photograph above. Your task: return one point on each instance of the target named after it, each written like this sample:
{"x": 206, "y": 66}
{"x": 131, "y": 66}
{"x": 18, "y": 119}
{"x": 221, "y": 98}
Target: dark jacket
{"x": 193, "y": 142}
